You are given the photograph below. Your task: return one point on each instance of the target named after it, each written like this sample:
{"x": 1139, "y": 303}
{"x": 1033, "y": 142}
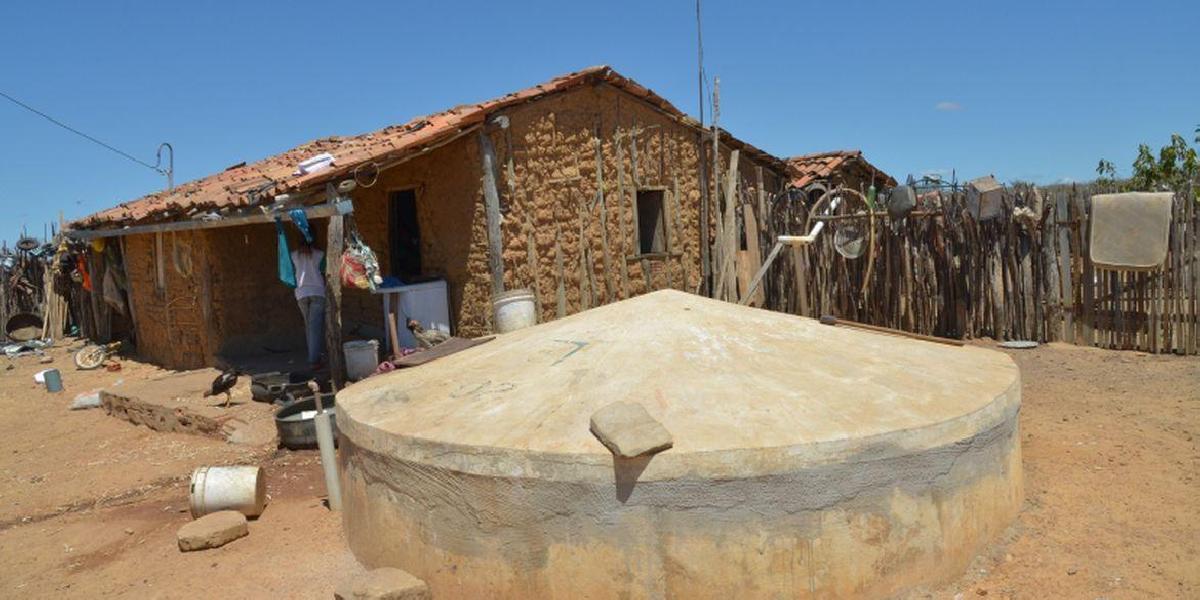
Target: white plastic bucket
{"x": 514, "y": 310}
{"x": 362, "y": 358}
{"x": 242, "y": 488}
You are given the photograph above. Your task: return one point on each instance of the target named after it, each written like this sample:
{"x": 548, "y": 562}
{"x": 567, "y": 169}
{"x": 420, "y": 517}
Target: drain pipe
{"x": 328, "y": 456}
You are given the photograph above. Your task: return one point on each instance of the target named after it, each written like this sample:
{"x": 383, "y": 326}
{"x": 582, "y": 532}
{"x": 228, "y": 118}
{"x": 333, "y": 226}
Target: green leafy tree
{"x": 1106, "y": 172}
{"x": 1173, "y": 168}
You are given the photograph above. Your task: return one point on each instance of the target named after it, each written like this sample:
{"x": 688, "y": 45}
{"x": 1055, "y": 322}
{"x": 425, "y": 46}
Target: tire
{"x": 90, "y": 357}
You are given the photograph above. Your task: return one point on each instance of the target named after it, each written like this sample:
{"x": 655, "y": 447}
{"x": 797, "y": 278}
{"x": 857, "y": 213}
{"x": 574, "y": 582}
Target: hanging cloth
{"x": 287, "y": 271}
{"x": 81, "y": 267}
{"x": 301, "y": 221}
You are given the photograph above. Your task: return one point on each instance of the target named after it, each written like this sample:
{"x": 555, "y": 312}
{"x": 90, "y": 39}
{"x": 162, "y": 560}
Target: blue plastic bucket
{"x": 53, "y": 380}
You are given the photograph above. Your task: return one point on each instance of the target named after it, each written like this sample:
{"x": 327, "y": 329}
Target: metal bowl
{"x": 294, "y": 421}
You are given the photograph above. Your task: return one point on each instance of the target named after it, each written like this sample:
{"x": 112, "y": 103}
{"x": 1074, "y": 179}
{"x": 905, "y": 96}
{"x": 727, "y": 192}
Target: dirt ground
{"x": 89, "y": 505}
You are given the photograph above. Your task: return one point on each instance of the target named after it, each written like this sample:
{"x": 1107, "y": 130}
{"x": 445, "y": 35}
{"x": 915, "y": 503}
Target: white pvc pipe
{"x": 328, "y": 456}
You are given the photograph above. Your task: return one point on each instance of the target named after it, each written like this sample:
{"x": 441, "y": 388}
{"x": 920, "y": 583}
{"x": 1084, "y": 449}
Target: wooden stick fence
{"x": 1025, "y": 275}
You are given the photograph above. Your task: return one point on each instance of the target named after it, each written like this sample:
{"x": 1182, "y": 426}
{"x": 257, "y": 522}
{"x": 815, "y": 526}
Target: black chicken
{"x": 223, "y": 384}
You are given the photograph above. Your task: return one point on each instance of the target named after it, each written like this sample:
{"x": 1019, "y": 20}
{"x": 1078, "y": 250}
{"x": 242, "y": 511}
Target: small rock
{"x": 128, "y": 531}
{"x": 386, "y": 583}
{"x": 45, "y": 360}
{"x": 981, "y": 592}
{"x": 628, "y": 431}
{"x": 1072, "y": 570}
{"x": 212, "y": 530}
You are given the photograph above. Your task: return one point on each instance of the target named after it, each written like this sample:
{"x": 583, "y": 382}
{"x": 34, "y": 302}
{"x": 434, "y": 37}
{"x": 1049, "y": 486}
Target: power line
{"x": 81, "y": 134}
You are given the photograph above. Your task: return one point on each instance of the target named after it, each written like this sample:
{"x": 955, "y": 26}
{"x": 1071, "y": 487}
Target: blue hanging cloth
{"x": 287, "y": 271}
{"x": 301, "y": 221}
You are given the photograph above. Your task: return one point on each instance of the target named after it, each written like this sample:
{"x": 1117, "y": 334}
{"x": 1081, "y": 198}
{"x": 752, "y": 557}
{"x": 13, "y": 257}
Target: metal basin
{"x": 295, "y": 421}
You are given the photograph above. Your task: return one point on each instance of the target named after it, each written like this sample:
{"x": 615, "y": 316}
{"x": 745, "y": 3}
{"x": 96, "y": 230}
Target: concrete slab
{"x": 175, "y": 402}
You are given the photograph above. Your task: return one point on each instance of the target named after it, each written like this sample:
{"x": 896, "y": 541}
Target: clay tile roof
{"x": 246, "y": 184}
{"x": 809, "y": 168}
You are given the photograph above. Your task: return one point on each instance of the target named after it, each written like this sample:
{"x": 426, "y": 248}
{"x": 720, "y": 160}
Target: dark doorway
{"x": 405, "y": 234}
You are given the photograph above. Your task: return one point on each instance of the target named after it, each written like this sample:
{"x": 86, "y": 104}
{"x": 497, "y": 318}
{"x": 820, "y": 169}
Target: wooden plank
{"x": 728, "y": 249}
{"x": 704, "y": 221}
{"x": 531, "y": 257}
{"x": 1192, "y": 260}
{"x": 160, "y": 272}
{"x": 800, "y": 266}
{"x": 1052, "y": 287}
{"x": 587, "y": 279}
{"x": 622, "y": 199}
{"x": 491, "y": 202}
{"x": 333, "y": 300}
{"x": 1066, "y": 282}
{"x": 1089, "y": 274}
{"x": 560, "y": 269}
{"x": 319, "y": 211}
{"x": 453, "y": 345}
{"x": 753, "y": 253}
{"x": 606, "y": 254}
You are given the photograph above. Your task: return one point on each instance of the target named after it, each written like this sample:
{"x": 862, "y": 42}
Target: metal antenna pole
{"x": 170, "y": 170}
{"x": 705, "y": 268}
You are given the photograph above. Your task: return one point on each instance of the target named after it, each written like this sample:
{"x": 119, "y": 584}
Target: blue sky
{"x": 1028, "y": 90}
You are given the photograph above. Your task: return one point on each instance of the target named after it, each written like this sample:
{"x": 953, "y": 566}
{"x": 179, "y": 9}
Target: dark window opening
{"x": 652, "y": 223}
{"x": 405, "y": 235}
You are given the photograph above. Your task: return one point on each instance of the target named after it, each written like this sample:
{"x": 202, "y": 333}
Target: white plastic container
{"x": 362, "y": 358}
{"x": 241, "y": 488}
{"x": 514, "y": 309}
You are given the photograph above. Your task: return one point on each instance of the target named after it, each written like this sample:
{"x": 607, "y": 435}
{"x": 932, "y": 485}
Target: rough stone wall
{"x": 574, "y": 247}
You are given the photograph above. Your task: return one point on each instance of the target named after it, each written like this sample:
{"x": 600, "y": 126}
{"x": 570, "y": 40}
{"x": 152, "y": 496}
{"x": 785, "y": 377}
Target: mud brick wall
{"x": 252, "y": 309}
{"x": 174, "y": 324}
{"x": 568, "y": 170}
{"x": 220, "y": 296}
{"x": 561, "y": 239}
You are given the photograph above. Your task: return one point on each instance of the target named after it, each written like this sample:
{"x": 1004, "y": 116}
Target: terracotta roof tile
{"x": 809, "y": 168}
{"x": 246, "y": 184}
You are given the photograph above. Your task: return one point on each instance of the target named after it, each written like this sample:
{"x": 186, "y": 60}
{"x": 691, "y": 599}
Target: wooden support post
{"x": 531, "y": 257}
{"x": 727, "y": 273}
{"x": 491, "y": 201}
{"x": 560, "y": 292}
{"x": 705, "y": 265}
{"x": 333, "y": 301}
{"x": 609, "y": 292}
{"x": 621, "y": 198}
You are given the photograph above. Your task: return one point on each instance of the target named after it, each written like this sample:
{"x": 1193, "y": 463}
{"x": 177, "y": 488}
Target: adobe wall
{"x": 251, "y": 307}
{"x": 221, "y": 295}
{"x": 573, "y": 247}
{"x": 174, "y": 324}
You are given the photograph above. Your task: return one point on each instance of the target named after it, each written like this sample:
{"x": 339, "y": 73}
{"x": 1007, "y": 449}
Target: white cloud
{"x": 947, "y": 106}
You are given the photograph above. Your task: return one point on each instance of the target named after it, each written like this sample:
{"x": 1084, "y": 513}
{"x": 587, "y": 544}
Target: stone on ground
{"x": 212, "y": 530}
{"x": 628, "y": 431}
{"x": 386, "y": 583}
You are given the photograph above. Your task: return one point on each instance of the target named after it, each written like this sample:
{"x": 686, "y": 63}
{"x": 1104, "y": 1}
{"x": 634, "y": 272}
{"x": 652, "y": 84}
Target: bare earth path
{"x": 89, "y": 505}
